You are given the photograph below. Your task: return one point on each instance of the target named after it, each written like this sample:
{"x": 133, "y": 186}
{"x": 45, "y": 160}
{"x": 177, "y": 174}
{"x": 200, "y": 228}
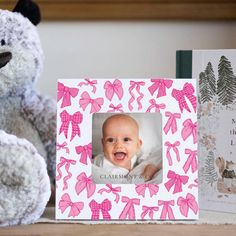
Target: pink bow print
{"x": 175, "y": 149}
{"x": 171, "y": 123}
{"x": 180, "y": 95}
{"x": 67, "y": 163}
{"x": 66, "y": 93}
{"x": 63, "y": 146}
{"x": 85, "y": 151}
{"x": 176, "y": 181}
{"x": 75, "y": 207}
{"x": 191, "y": 161}
{"x": 104, "y": 207}
{"x": 89, "y": 82}
{"x": 195, "y": 184}
{"x": 141, "y": 189}
{"x": 129, "y": 210}
{"x": 136, "y": 85}
{"x": 115, "y": 108}
{"x": 85, "y": 183}
{"x": 74, "y": 119}
{"x": 166, "y": 210}
{"x": 115, "y": 191}
{"x": 189, "y": 128}
{"x": 185, "y": 204}
{"x": 149, "y": 210}
{"x": 161, "y": 85}
{"x": 96, "y": 103}
{"x": 113, "y": 88}
{"x": 155, "y": 105}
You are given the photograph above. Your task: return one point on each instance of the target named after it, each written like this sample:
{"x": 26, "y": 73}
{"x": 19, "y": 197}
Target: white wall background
{"x": 123, "y": 49}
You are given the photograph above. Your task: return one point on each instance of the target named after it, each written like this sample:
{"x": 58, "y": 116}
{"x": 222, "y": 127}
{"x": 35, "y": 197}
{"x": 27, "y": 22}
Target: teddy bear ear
{"x": 28, "y": 9}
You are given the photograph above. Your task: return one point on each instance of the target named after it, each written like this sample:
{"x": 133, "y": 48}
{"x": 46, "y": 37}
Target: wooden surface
{"x": 119, "y": 230}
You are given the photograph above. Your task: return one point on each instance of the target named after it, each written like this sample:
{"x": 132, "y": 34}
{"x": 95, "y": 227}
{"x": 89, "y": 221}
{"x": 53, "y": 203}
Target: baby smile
{"x": 119, "y": 156}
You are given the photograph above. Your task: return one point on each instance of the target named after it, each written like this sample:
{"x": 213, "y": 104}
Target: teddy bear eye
{"x": 3, "y": 42}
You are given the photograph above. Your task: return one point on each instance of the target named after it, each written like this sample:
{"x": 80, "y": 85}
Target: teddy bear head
{"x": 21, "y": 55}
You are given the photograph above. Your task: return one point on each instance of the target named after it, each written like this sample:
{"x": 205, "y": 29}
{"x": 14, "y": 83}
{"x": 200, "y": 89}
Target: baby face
{"x": 121, "y": 140}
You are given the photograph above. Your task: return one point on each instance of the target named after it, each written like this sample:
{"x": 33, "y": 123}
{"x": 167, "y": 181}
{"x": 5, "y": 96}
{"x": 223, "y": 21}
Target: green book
{"x": 184, "y": 64}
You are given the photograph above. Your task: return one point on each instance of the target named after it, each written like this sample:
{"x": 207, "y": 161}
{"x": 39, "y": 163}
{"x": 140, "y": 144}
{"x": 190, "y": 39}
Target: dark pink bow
{"x": 85, "y": 151}
{"x": 129, "y": 210}
{"x": 175, "y": 149}
{"x": 96, "y": 103}
{"x": 74, "y": 119}
{"x": 136, "y": 85}
{"x": 75, "y": 207}
{"x": 66, "y": 93}
{"x": 115, "y": 108}
{"x": 85, "y": 183}
{"x": 141, "y": 189}
{"x": 191, "y": 161}
{"x": 189, "y": 128}
{"x": 166, "y": 210}
{"x": 176, "y": 181}
{"x": 89, "y": 82}
{"x": 186, "y": 203}
{"x": 155, "y": 105}
{"x": 104, "y": 207}
{"x": 110, "y": 189}
{"x": 65, "y": 162}
{"x": 63, "y": 146}
{"x": 161, "y": 85}
{"x": 113, "y": 88}
{"x": 171, "y": 123}
{"x": 149, "y": 210}
{"x": 187, "y": 91}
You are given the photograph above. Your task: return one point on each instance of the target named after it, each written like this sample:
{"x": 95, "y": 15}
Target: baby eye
{"x": 110, "y": 140}
{"x": 127, "y": 139}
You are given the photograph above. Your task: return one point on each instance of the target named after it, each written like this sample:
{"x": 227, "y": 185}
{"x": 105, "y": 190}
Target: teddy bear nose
{"x": 5, "y": 57}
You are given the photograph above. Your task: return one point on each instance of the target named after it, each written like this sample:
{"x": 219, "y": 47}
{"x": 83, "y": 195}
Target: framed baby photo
{"x": 126, "y": 149}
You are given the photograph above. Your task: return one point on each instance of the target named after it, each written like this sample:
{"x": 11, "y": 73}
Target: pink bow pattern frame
{"x": 77, "y": 197}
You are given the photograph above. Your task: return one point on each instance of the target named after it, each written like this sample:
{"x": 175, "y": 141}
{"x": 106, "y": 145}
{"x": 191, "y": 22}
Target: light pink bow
{"x": 85, "y": 183}
{"x": 63, "y": 146}
{"x": 113, "y": 88}
{"x": 175, "y": 149}
{"x": 89, "y": 82}
{"x": 74, "y": 119}
{"x": 155, "y": 105}
{"x": 65, "y": 162}
{"x": 104, "y": 207}
{"x": 141, "y": 189}
{"x": 166, "y": 210}
{"x": 185, "y": 204}
{"x": 129, "y": 210}
{"x": 180, "y": 95}
{"x": 75, "y": 207}
{"x": 149, "y": 210}
{"x": 189, "y": 128}
{"x": 115, "y": 108}
{"x": 176, "y": 181}
{"x": 85, "y": 151}
{"x": 136, "y": 85}
{"x": 161, "y": 85}
{"x": 66, "y": 93}
{"x": 191, "y": 161}
{"x": 115, "y": 191}
{"x": 171, "y": 123}
{"x": 96, "y": 103}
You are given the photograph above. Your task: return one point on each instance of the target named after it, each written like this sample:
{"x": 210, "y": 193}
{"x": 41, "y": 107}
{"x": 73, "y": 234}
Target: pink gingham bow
{"x": 90, "y": 83}
{"x": 66, "y": 93}
{"x": 149, "y": 211}
{"x": 176, "y": 181}
{"x": 110, "y": 189}
{"x": 136, "y": 85}
{"x": 166, "y": 210}
{"x": 186, "y": 203}
{"x": 155, "y": 105}
{"x": 96, "y": 103}
{"x": 113, "y": 88}
{"x": 171, "y": 123}
{"x": 141, "y": 189}
{"x": 62, "y": 146}
{"x": 191, "y": 161}
{"x": 129, "y": 210}
{"x": 85, "y": 183}
{"x": 189, "y": 128}
{"x": 74, "y": 119}
{"x": 175, "y": 149}
{"x": 85, "y": 151}
{"x": 75, "y": 207}
{"x": 161, "y": 85}
{"x": 104, "y": 207}
{"x": 187, "y": 92}
{"x": 115, "y": 108}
